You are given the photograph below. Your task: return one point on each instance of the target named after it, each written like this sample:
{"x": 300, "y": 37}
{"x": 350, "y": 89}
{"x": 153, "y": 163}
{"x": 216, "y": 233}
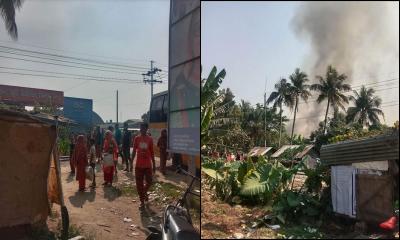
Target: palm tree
{"x": 331, "y": 88}
{"x": 366, "y": 109}
{"x": 7, "y": 9}
{"x": 299, "y": 89}
{"x": 282, "y": 95}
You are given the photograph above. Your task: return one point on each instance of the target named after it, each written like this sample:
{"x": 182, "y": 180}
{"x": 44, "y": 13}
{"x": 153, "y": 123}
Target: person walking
{"x": 126, "y": 147}
{"x": 110, "y": 149}
{"x": 145, "y": 162}
{"x": 92, "y": 161}
{"x": 97, "y": 139}
{"x": 71, "y": 153}
{"x": 118, "y": 138}
{"x": 80, "y": 157}
{"x": 162, "y": 145}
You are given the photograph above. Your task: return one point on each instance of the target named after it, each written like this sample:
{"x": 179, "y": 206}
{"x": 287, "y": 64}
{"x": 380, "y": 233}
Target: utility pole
{"x": 117, "y": 106}
{"x": 265, "y": 113}
{"x": 265, "y": 120}
{"x": 150, "y": 74}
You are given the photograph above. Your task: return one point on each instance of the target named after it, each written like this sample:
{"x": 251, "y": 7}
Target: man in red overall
{"x": 143, "y": 149}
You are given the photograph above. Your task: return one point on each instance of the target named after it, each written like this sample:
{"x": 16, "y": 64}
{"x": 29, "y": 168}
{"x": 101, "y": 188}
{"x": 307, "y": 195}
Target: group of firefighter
{"x": 103, "y": 147}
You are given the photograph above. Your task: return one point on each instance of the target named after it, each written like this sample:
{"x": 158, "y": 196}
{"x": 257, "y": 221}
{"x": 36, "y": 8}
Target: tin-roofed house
{"x": 309, "y": 155}
{"x": 364, "y": 176}
{"x": 292, "y": 154}
{"x": 260, "y": 151}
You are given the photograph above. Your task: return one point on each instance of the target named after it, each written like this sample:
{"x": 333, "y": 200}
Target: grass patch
{"x": 217, "y": 211}
{"x": 42, "y": 233}
{"x": 300, "y": 232}
{"x": 128, "y": 190}
{"x": 216, "y": 234}
{"x": 167, "y": 189}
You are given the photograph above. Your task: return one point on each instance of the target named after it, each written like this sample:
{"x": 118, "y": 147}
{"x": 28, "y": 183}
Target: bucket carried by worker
{"x": 89, "y": 173}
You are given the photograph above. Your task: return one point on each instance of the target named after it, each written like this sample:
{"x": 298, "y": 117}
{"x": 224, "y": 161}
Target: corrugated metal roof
{"x": 259, "y": 151}
{"x": 378, "y": 148}
{"x": 283, "y": 149}
{"x": 304, "y": 152}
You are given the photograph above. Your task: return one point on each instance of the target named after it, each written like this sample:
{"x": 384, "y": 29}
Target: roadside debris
{"x": 127, "y": 219}
{"x": 77, "y": 238}
{"x": 103, "y": 225}
{"x": 238, "y": 235}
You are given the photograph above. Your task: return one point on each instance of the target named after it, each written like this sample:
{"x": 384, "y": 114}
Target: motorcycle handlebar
{"x": 180, "y": 170}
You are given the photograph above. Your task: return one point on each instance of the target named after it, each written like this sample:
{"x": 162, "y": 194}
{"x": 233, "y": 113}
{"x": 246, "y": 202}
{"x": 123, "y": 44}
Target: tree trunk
{"x": 294, "y": 120}
{"x": 326, "y": 116}
{"x": 280, "y": 127}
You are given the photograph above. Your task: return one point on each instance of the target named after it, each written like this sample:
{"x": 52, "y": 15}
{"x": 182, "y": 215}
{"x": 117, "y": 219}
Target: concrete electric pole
{"x": 150, "y": 74}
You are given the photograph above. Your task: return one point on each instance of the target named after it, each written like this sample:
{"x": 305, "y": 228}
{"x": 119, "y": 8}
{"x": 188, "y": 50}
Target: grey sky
{"x": 255, "y": 41}
{"x": 124, "y": 32}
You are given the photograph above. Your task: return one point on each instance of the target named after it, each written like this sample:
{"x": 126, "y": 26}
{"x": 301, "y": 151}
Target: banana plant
{"x": 210, "y": 99}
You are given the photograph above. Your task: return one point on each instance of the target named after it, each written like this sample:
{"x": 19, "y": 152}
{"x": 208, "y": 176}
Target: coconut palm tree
{"x": 299, "y": 90}
{"x": 7, "y": 9}
{"x": 331, "y": 88}
{"x": 282, "y": 96}
{"x": 366, "y": 109}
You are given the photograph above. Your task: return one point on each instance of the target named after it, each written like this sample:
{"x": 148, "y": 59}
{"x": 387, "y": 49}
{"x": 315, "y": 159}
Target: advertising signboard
{"x": 184, "y": 77}
{"x": 30, "y": 96}
{"x": 79, "y": 110}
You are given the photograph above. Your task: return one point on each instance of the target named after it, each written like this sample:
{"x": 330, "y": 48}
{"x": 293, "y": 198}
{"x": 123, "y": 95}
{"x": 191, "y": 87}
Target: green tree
{"x": 7, "y": 9}
{"x": 366, "y": 109}
{"x": 210, "y": 100}
{"x": 300, "y": 90}
{"x": 282, "y": 96}
{"x": 331, "y": 88}
{"x": 145, "y": 117}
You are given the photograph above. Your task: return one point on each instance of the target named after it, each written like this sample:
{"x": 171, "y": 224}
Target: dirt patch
{"x": 99, "y": 213}
{"x": 221, "y": 220}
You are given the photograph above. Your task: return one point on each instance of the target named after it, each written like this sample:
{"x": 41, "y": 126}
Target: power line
{"x": 75, "y": 86}
{"x": 387, "y": 80}
{"x": 376, "y": 90}
{"x": 78, "y": 75}
{"x": 386, "y": 104}
{"x": 56, "y": 64}
{"x": 75, "y": 52}
{"x": 69, "y": 57}
{"x": 78, "y": 63}
{"x": 90, "y": 79}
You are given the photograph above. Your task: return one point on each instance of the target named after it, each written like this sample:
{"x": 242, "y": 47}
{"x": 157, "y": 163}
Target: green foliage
{"x": 223, "y": 177}
{"x": 301, "y": 231}
{"x": 209, "y": 101}
{"x": 315, "y": 177}
{"x": 331, "y": 88}
{"x": 259, "y": 181}
{"x": 63, "y": 140}
{"x": 366, "y": 109}
{"x": 296, "y": 206}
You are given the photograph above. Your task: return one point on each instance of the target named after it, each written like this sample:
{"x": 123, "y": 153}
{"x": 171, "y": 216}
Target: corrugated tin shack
{"x": 308, "y": 154}
{"x": 259, "y": 151}
{"x": 364, "y": 176}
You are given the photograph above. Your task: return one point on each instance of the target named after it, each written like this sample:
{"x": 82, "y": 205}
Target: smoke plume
{"x": 360, "y": 39}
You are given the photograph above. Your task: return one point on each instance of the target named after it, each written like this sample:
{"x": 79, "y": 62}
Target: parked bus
{"x": 158, "y": 117}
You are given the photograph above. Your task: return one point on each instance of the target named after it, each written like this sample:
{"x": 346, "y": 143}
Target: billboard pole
{"x": 117, "y": 106}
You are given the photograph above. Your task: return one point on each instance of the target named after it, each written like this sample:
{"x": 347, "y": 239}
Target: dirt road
{"x": 99, "y": 213}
